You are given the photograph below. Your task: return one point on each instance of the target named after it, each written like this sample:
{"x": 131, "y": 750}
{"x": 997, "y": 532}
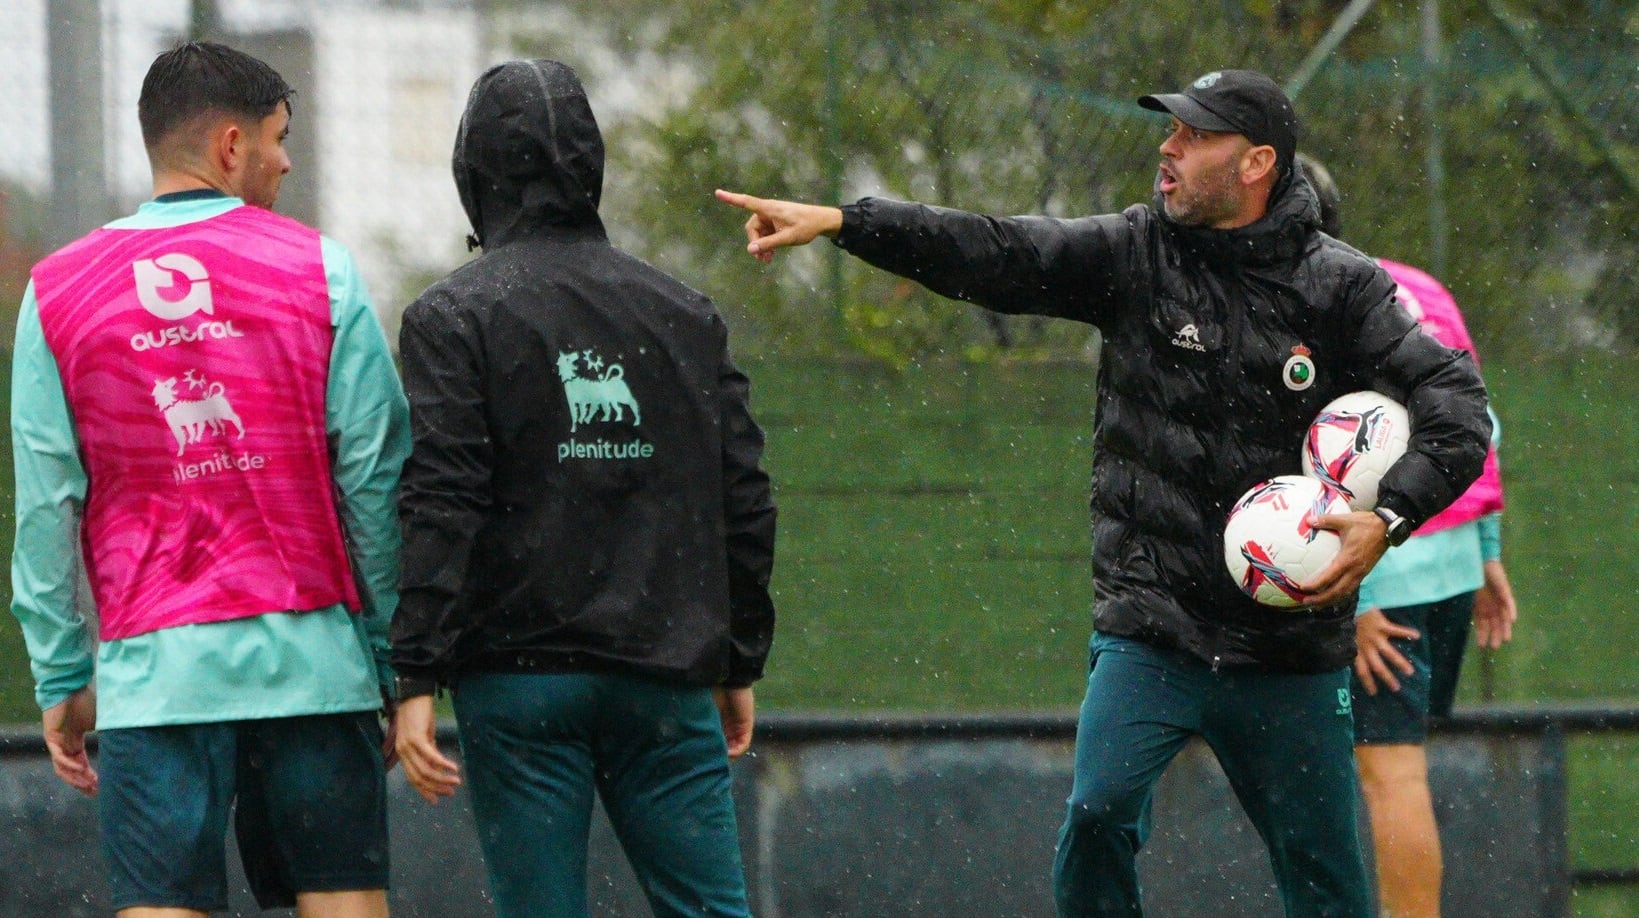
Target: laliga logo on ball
{"x": 1271, "y": 544}
{"x": 1352, "y": 443}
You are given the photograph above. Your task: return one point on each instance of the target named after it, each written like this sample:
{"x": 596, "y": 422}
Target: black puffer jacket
{"x": 585, "y": 491}
{"x": 1200, "y": 391}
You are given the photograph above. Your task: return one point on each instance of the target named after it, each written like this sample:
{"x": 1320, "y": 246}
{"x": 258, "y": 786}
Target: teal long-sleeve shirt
{"x": 1438, "y": 566}
{"x": 272, "y": 665}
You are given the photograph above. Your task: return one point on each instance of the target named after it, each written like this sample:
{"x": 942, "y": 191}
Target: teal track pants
{"x": 537, "y": 748}
{"x": 1285, "y": 741}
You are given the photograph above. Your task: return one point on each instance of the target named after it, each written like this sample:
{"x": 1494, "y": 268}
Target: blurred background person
{"x": 1412, "y": 625}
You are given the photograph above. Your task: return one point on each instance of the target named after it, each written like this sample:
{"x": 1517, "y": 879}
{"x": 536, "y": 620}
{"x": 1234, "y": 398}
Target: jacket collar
{"x": 1281, "y": 235}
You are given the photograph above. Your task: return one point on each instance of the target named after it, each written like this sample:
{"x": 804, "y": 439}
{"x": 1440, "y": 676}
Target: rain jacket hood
{"x": 529, "y": 153}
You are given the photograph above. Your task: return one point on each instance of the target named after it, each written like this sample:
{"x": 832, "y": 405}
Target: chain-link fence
{"x": 1493, "y": 141}
{"x": 1494, "y": 148}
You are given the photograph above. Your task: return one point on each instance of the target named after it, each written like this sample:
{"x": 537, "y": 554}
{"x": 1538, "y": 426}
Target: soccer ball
{"x": 1270, "y": 542}
{"x": 1352, "y": 443}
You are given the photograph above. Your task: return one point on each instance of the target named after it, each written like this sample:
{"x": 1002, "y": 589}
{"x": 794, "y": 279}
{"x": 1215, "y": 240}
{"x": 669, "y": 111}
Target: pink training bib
{"x": 1433, "y": 307}
{"x": 195, "y": 360}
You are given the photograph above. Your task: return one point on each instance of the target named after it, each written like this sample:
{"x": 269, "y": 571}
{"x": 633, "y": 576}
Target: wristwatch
{"x": 1399, "y": 529}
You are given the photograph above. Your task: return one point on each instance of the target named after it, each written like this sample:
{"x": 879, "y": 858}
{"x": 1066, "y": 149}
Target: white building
{"x": 380, "y": 92}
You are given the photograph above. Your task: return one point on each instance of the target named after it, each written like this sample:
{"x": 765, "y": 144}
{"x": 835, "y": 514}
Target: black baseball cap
{"x": 1235, "y": 101}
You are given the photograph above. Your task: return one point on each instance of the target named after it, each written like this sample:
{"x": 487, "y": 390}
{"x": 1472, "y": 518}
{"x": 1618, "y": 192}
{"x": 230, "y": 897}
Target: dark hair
{"x": 1331, "y": 200}
{"x": 201, "y": 77}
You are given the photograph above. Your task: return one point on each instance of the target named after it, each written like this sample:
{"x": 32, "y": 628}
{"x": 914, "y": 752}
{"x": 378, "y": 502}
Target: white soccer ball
{"x": 1271, "y": 544}
{"x": 1352, "y": 443}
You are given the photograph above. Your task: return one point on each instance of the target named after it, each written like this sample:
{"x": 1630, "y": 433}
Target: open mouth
{"x": 1165, "y": 181}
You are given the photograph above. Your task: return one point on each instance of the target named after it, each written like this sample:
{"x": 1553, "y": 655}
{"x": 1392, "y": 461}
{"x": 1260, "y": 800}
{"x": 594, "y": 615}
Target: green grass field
{"x": 933, "y": 550}
{"x": 934, "y": 542}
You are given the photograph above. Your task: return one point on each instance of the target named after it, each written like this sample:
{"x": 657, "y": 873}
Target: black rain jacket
{"x": 585, "y": 492}
{"x": 1203, "y": 390}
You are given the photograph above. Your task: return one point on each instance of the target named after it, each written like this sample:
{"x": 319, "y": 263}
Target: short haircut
{"x": 202, "y": 78}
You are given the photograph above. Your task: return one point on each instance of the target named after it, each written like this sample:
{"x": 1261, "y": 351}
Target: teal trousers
{"x": 1285, "y": 741}
{"x": 538, "y": 747}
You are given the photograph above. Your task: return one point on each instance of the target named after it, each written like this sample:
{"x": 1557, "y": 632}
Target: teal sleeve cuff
{"x": 1490, "y": 527}
{"x": 54, "y": 688}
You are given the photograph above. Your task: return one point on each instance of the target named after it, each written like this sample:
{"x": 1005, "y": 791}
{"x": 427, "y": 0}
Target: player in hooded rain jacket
{"x": 588, "y": 533}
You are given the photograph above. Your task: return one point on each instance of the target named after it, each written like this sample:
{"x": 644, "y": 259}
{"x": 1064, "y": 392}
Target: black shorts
{"x": 309, "y": 798}
{"x": 1402, "y": 717}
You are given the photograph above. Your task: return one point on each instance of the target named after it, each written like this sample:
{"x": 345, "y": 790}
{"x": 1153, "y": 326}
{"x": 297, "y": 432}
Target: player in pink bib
{"x": 1412, "y": 626}
{"x": 200, "y": 418}
{"x": 206, "y": 417}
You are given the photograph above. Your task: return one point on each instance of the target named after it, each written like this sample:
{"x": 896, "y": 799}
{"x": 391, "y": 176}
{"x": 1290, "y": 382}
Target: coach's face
{"x": 266, "y": 161}
{"x": 1199, "y": 178}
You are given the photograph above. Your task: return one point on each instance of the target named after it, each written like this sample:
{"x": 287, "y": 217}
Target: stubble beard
{"x": 1212, "y": 199}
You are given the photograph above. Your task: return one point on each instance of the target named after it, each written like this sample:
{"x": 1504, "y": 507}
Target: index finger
{"x": 736, "y": 199}
{"x": 1327, "y": 586}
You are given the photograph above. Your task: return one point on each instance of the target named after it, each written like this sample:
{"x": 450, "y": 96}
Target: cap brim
{"x": 1188, "y": 111}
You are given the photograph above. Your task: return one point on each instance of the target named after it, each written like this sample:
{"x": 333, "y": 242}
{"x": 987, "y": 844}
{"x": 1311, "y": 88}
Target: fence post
{"x": 79, "y": 187}
{"x": 831, "y": 156}
{"x": 1434, "y": 156}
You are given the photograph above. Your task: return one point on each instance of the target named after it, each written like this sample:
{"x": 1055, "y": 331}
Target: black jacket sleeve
{"x": 445, "y": 490}
{"x": 749, "y": 518}
{"x": 1070, "y": 269}
{"x": 1442, "y": 391}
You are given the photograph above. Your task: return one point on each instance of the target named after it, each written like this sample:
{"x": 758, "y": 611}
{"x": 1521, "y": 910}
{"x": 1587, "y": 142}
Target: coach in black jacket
{"x": 588, "y": 533}
{"x": 1228, "y": 320}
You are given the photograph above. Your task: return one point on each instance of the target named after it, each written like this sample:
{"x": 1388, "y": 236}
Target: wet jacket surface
{"x": 1218, "y": 349}
{"x": 585, "y": 490}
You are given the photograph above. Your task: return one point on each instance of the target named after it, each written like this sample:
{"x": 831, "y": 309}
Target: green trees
{"x": 1026, "y": 106}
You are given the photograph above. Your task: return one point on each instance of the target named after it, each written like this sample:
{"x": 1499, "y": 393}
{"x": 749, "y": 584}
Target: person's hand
{"x": 1494, "y": 609}
{"x": 66, "y": 724}
{"x": 1364, "y": 543}
{"x": 736, "y": 707}
{"x": 430, "y": 772}
{"x": 777, "y": 224}
{"x": 1376, "y": 658}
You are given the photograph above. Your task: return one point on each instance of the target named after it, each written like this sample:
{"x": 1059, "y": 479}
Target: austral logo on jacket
{"x": 597, "y": 393}
{"x": 1188, "y": 338}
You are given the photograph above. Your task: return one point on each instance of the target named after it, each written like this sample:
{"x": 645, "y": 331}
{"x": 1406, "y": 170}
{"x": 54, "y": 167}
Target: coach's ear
{"x": 1257, "y": 163}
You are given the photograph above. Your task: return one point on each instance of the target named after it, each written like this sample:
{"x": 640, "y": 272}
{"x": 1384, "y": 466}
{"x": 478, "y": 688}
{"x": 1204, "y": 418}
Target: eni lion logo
{"x": 190, "y": 419}
{"x": 595, "y": 389}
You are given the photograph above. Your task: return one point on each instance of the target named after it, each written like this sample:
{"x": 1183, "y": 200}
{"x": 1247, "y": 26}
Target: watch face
{"x": 1397, "y": 529}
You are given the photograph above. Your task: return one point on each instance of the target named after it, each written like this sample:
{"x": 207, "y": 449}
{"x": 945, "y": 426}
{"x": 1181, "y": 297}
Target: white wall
{"x": 391, "y": 88}
{"x": 25, "y": 130}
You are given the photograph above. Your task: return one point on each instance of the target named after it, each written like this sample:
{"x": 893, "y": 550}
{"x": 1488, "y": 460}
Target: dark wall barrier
{"x": 907, "y": 816}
